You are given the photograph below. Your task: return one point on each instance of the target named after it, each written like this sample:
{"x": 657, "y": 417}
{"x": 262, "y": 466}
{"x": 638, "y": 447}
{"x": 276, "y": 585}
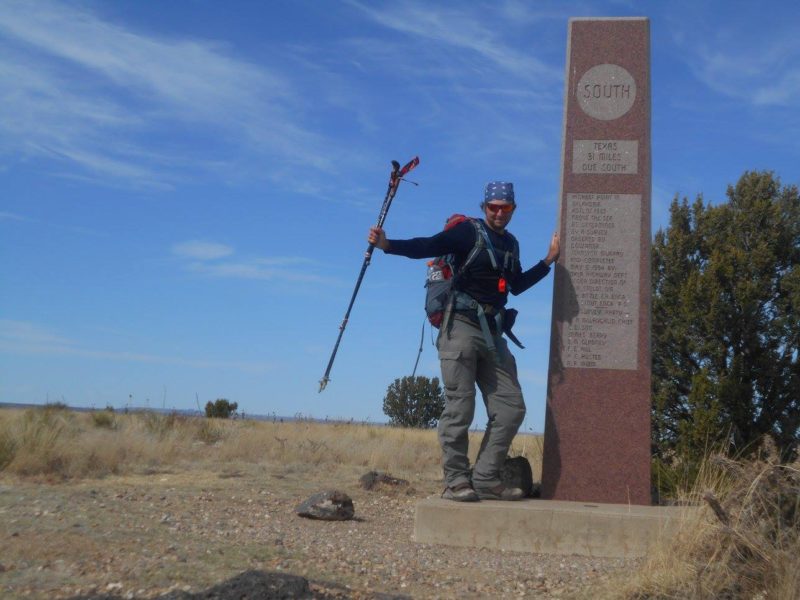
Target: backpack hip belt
{"x": 460, "y": 301}
{"x": 503, "y": 318}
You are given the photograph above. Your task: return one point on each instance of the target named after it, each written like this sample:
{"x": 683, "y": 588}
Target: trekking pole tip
{"x": 322, "y": 383}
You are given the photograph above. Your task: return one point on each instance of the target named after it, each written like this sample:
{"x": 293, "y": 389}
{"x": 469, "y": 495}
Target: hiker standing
{"x": 470, "y": 343}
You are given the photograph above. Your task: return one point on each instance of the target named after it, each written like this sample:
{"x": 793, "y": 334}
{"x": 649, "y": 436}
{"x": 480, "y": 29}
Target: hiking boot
{"x": 500, "y": 492}
{"x": 462, "y": 492}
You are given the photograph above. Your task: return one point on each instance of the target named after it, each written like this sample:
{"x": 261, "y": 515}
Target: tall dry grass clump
{"x": 60, "y": 443}
{"x": 744, "y": 544}
{"x": 66, "y": 444}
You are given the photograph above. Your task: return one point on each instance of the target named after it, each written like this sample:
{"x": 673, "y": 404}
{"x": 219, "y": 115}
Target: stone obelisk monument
{"x": 597, "y": 425}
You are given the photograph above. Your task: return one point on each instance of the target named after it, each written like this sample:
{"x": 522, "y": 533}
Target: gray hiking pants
{"x": 466, "y": 360}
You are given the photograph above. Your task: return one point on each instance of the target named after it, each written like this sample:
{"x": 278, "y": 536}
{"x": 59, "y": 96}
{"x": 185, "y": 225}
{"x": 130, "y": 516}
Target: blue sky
{"x": 186, "y": 187}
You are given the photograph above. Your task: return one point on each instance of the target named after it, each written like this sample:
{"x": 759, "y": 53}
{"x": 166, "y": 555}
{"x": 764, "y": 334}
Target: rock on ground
{"x": 327, "y": 506}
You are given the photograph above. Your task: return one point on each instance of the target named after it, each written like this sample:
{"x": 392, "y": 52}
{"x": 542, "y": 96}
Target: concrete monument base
{"x": 548, "y": 526}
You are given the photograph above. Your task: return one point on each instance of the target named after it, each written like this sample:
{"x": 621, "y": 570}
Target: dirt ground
{"x": 187, "y": 529}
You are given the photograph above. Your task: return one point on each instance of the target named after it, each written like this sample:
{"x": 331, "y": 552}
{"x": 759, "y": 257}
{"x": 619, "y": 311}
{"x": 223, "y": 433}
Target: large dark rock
{"x": 263, "y": 585}
{"x": 258, "y": 584}
{"x": 516, "y": 472}
{"x": 327, "y": 506}
{"x": 374, "y": 478}
{"x": 250, "y": 585}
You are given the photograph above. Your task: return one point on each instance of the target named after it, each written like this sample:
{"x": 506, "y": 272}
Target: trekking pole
{"x": 394, "y": 182}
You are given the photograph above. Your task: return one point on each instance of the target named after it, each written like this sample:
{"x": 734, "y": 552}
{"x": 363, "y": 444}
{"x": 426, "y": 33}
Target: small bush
{"x": 104, "y": 419}
{"x": 39, "y": 439}
{"x": 753, "y": 548}
{"x": 221, "y": 409}
{"x": 414, "y": 402}
{"x": 55, "y": 406}
{"x": 745, "y": 545}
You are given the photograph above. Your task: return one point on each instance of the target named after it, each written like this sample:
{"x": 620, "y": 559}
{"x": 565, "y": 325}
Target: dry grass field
{"x": 138, "y": 505}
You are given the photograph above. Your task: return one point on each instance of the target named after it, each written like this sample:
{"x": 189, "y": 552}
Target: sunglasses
{"x": 503, "y": 208}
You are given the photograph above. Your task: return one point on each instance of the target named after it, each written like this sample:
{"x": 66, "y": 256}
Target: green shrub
{"x": 726, "y": 294}
{"x": 221, "y": 409}
{"x": 414, "y": 402}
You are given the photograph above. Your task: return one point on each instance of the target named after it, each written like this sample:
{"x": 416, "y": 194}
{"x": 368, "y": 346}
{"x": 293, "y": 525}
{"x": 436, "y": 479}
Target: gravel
{"x": 148, "y": 535}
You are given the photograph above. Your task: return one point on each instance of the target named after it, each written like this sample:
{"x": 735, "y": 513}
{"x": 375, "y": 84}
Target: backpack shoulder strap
{"x": 515, "y": 243}
{"x": 480, "y": 244}
{"x": 512, "y": 256}
{"x": 482, "y": 238}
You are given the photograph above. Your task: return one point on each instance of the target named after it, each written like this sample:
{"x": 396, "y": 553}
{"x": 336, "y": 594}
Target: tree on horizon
{"x": 414, "y": 402}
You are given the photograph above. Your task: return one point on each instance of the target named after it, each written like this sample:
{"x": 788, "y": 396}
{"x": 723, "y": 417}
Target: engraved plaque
{"x": 602, "y": 264}
{"x": 606, "y": 92}
{"x": 605, "y": 157}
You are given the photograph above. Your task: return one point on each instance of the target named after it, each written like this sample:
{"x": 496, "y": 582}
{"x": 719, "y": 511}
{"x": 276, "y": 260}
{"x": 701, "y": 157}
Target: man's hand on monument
{"x": 554, "y": 250}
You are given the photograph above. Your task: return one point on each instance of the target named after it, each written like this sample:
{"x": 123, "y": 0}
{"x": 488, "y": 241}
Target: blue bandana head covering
{"x": 499, "y": 190}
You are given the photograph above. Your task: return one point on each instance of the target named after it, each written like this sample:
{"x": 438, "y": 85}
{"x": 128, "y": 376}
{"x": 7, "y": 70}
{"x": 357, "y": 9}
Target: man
{"x": 470, "y": 343}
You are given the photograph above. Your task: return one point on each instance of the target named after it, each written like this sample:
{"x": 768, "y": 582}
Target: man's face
{"x": 498, "y": 213}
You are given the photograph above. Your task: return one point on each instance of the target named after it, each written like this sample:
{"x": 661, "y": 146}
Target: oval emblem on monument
{"x": 606, "y": 92}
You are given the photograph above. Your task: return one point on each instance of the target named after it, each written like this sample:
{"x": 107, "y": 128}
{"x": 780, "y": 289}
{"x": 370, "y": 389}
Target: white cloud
{"x": 96, "y": 94}
{"x": 285, "y": 261}
{"x": 478, "y": 77}
{"x": 12, "y": 217}
{"x": 201, "y": 250}
{"x": 24, "y": 337}
{"x": 8, "y": 216}
{"x": 27, "y": 333}
{"x": 784, "y": 93}
{"x": 260, "y": 269}
{"x": 195, "y": 76}
{"x": 463, "y": 29}
{"x": 205, "y": 258}
{"x": 756, "y": 65}
{"x": 119, "y": 168}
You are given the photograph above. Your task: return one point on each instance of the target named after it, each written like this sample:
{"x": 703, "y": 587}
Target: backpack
{"x": 441, "y": 270}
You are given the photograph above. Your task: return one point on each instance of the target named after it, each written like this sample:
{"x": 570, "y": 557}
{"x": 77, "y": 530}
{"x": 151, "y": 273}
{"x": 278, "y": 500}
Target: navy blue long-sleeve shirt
{"x": 481, "y": 279}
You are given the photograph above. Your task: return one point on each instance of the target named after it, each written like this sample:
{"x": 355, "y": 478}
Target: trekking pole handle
{"x": 395, "y": 178}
